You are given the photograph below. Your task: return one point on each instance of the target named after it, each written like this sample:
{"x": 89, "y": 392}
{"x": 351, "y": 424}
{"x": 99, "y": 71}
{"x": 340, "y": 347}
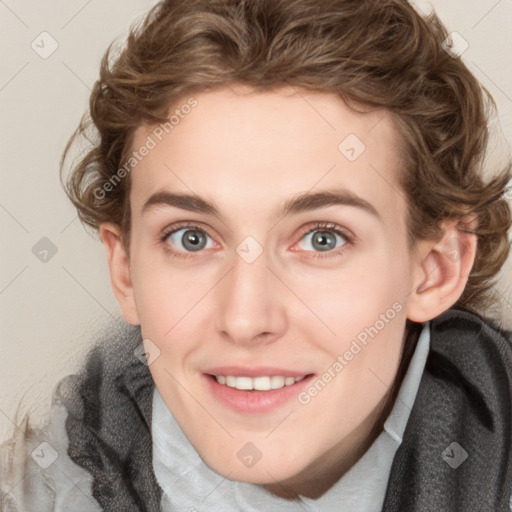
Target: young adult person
{"x": 299, "y": 233}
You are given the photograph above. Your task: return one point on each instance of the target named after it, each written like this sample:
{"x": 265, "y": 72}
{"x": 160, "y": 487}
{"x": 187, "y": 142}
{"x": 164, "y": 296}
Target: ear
{"x": 119, "y": 266}
{"x": 442, "y": 270}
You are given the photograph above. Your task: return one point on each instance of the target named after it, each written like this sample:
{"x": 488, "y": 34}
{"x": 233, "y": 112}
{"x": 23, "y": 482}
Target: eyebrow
{"x": 302, "y": 203}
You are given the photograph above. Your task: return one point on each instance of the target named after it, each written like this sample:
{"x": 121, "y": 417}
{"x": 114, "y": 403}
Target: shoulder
{"x": 470, "y": 352}
{"x": 109, "y": 422}
{"x": 95, "y": 417}
{"x": 36, "y": 471}
{"x": 109, "y": 397}
{"x": 470, "y": 321}
{"x": 456, "y": 326}
{"x": 484, "y": 349}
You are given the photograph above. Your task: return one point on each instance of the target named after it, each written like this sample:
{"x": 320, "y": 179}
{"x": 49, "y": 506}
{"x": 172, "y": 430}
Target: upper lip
{"x": 255, "y": 371}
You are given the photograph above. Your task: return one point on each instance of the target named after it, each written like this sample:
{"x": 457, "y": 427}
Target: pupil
{"x": 193, "y": 239}
{"x": 322, "y": 238}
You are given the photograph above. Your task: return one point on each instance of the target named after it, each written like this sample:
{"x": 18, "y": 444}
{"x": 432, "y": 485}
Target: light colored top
{"x": 189, "y": 485}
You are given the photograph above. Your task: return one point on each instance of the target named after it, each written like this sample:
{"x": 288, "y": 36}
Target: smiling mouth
{"x": 263, "y": 383}
{"x": 263, "y": 392}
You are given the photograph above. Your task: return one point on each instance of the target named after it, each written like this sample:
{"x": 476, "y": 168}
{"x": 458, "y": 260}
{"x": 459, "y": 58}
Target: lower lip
{"x": 253, "y": 401}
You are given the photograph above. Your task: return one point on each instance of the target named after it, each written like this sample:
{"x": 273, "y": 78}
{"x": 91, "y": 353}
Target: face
{"x": 287, "y": 272}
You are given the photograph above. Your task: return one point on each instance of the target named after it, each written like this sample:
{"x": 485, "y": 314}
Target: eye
{"x": 188, "y": 238}
{"x": 184, "y": 240}
{"x": 325, "y": 237}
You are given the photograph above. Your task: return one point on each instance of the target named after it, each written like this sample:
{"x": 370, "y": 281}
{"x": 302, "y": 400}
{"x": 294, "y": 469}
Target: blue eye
{"x": 325, "y": 239}
{"x": 191, "y": 238}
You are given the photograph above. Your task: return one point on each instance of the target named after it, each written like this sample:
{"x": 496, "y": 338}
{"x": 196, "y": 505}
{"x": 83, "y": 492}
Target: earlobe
{"x": 119, "y": 268}
{"x": 442, "y": 273}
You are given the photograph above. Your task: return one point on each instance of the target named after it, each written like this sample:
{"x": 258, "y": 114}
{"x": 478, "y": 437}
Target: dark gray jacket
{"x": 96, "y": 453}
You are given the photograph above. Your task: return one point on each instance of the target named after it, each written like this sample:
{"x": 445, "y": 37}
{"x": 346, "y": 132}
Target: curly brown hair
{"x": 378, "y": 53}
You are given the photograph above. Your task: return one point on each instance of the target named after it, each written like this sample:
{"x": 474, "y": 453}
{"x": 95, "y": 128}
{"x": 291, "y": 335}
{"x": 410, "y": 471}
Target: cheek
{"x": 364, "y": 309}
{"x": 354, "y": 298}
{"x": 173, "y": 307}
{"x": 163, "y": 292}
{"x": 360, "y": 371}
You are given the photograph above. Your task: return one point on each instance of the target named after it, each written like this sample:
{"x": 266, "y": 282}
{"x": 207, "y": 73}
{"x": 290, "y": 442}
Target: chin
{"x": 269, "y": 471}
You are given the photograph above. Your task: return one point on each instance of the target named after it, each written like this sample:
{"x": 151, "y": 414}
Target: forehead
{"x": 237, "y": 146}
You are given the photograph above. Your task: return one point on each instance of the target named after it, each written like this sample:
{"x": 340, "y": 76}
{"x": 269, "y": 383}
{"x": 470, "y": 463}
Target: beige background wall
{"x": 50, "y": 309}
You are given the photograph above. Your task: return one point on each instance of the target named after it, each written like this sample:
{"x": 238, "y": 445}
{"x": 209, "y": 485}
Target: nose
{"x": 250, "y": 303}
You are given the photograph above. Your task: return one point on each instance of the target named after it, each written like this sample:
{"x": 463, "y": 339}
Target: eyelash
{"x": 319, "y": 226}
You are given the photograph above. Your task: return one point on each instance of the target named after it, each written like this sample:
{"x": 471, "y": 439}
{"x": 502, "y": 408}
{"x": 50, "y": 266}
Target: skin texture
{"x": 248, "y": 152}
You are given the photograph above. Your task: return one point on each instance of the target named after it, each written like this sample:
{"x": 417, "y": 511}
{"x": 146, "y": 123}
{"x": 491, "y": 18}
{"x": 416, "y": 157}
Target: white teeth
{"x": 243, "y": 383}
{"x": 258, "y": 383}
{"x": 261, "y": 383}
{"x": 277, "y": 382}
